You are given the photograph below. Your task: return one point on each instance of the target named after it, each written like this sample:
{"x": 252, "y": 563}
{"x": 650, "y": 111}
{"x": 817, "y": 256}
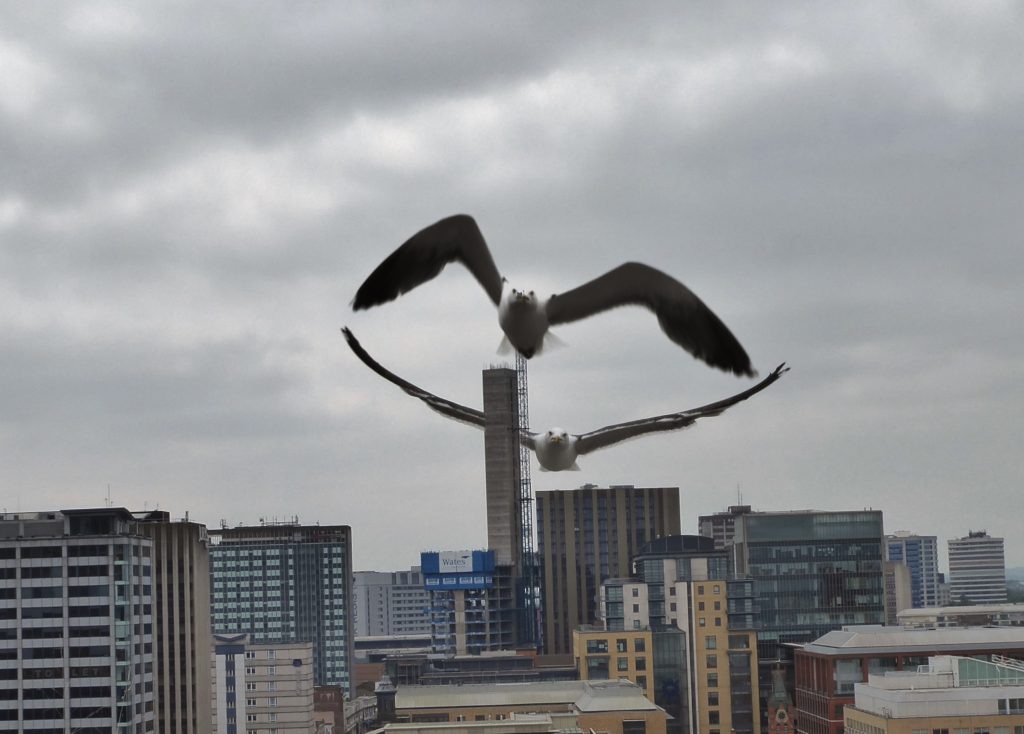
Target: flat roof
{"x": 888, "y": 640}
{"x": 585, "y": 696}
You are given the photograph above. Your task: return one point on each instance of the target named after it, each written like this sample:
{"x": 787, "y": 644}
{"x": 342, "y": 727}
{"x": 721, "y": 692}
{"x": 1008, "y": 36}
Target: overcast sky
{"x": 190, "y": 195}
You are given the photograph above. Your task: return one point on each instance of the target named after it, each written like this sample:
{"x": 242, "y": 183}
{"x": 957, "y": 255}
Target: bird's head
{"x": 557, "y": 436}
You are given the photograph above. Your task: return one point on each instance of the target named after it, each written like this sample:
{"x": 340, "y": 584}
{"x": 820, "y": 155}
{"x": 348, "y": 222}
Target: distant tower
{"x": 509, "y": 494}
{"x": 977, "y": 569}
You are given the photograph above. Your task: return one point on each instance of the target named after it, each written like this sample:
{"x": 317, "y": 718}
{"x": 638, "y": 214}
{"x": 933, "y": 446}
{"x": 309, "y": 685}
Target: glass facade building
{"x": 811, "y": 572}
{"x": 287, "y": 583}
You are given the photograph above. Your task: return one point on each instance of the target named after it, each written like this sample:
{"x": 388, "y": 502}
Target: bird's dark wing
{"x": 444, "y": 407}
{"x": 683, "y": 316}
{"x": 608, "y": 435}
{"x": 424, "y": 255}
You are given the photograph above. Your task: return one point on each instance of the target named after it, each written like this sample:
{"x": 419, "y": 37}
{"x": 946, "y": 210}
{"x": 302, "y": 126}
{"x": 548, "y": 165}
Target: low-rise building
{"x": 976, "y": 615}
{"x": 828, "y": 669}
{"x": 949, "y": 694}
{"x": 602, "y": 655}
{"x": 615, "y": 707}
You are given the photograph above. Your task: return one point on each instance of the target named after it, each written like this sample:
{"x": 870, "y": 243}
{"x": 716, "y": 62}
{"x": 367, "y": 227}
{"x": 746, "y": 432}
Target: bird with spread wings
{"x": 526, "y": 318}
{"x": 556, "y": 449}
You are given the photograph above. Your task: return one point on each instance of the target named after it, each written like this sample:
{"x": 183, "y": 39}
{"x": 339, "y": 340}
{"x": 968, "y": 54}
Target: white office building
{"x": 977, "y": 569}
{"x": 389, "y": 603}
{"x": 76, "y": 623}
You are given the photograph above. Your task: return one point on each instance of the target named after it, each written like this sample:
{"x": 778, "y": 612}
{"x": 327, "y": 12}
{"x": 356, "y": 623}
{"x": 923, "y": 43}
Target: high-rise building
{"x": 721, "y": 526}
{"x": 897, "y": 591}
{"x": 472, "y": 602}
{"x": 812, "y": 572}
{"x": 509, "y": 500}
{"x": 181, "y": 616}
{"x": 588, "y": 535}
{"x": 76, "y": 623}
{"x": 283, "y": 583}
{"x": 390, "y": 603}
{"x": 920, "y": 554}
{"x": 501, "y": 465}
{"x": 977, "y": 569}
{"x": 261, "y": 687}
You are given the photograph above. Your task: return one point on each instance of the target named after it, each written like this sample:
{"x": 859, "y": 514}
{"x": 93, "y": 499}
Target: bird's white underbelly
{"x": 524, "y": 325}
{"x": 555, "y": 456}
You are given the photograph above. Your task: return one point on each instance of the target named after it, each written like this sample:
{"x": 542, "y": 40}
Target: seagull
{"x": 525, "y": 318}
{"x": 556, "y": 449}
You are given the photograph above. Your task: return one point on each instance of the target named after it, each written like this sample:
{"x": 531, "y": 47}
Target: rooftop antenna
{"x": 109, "y": 503}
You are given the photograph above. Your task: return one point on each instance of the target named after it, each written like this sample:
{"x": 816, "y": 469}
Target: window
{"x": 250, "y": 717}
{"x": 639, "y": 645}
{"x": 700, "y": 589}
{"x": 250, "y": 686}
{"x": 640, "y": 663}
{"x": 716, "y": 589}
{"x": 718, "y": 606}
{"x": 712, "y": 680}
{"x": 702, "y": 622}
{"x": 250, "y": 655}
{"x": 272, "y": 654}
{"x": 712, "y": 661}
{"x": 634, "y": 727}
{"x": 636, "y": 592}
{"x": 595, "y": 646}
{"x": 710, "y": 642}
{"x": 250, "y": 702}
{"x": 622, "y": 664}
{"x": 621, "y": 646}
{"x": 672, "y": 606}
{"x": 250, "y": 671}
{"x": 718, "y": 621}
{"x": 700, "y": 606}
{"x": 636, "y": 609}
{"x": 671, "y": 591}
{"x": 273, "y": 701}
{"x": 714, "y": 717}
{"x": 641, "y": 680}
{"x": 740, "y": 642}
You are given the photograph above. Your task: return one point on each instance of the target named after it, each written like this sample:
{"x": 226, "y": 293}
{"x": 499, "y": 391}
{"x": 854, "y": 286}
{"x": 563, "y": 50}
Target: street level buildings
{"x": 590, "y": 534}
{"x": 76, "y": 623}
{"x": 948, "y": 694}
{"x": 829, "y": 668}
{"x": 285, "y": 583}
{"x": 977, "y": 569}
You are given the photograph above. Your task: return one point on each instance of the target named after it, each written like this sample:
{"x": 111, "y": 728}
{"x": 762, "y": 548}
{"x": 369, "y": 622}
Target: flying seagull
{"x": 557, "y": 449}
{"x": 525, "y": 317}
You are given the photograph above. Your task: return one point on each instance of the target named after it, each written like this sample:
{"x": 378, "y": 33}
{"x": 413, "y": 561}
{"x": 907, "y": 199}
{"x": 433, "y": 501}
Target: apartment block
{"x": 261, "y": 687}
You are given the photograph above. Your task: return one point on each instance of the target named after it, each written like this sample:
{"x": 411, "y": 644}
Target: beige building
{"x": 262, "y": 687}
{"x": 684, "y": 592}
{"x": 181, "y": 617}
{"x": 608, "y": 707}
{"x": 897, "y": 591}
{"x": 951, "y": 694}
{"x": 626, "y": 654}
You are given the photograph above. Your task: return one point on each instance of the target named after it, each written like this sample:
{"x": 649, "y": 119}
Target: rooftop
{"x": 583, "y": 696}
{"x": 875, "y": 640}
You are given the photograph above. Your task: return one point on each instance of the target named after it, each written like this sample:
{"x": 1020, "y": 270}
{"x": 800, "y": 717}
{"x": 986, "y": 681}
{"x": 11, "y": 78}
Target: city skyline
{"x": 191, "y": 196}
